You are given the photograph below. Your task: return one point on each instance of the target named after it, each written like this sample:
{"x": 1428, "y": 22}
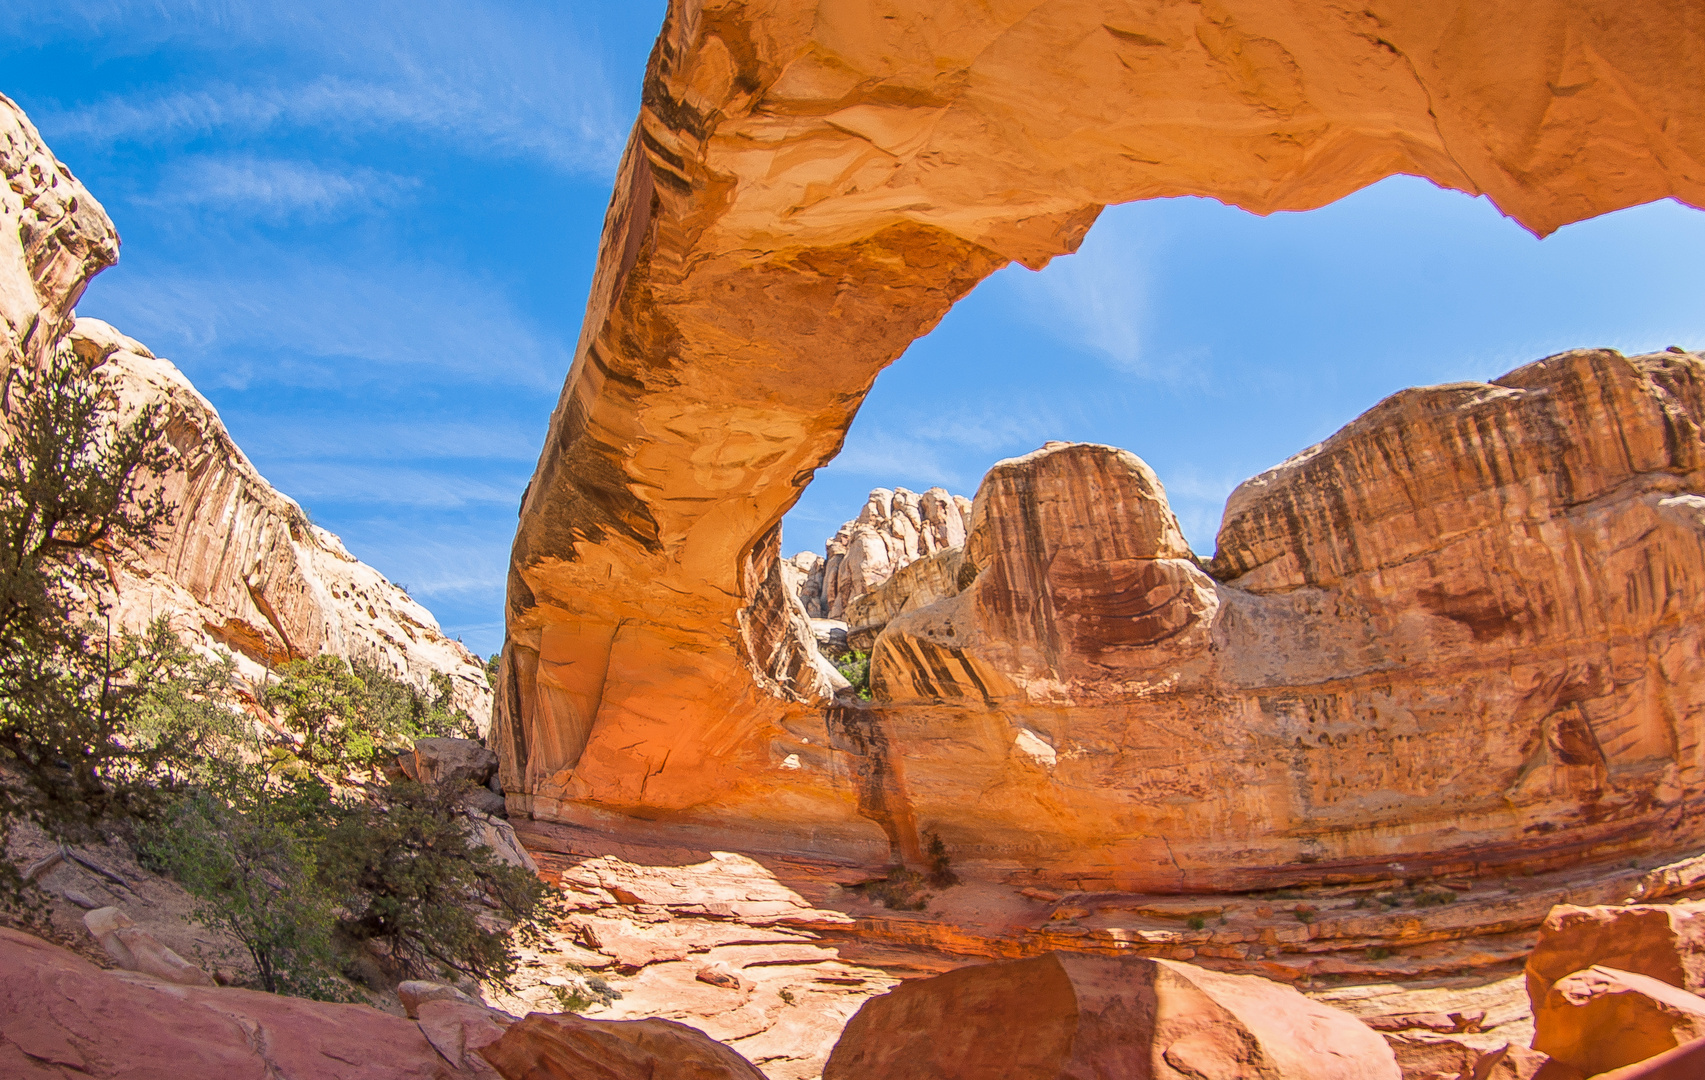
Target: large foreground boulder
{"x": 1613, "y": 986}
{"x": 1065, "y": 1015}
{"x": 564, "y": 1046}
{"x": 61, "y": 1016}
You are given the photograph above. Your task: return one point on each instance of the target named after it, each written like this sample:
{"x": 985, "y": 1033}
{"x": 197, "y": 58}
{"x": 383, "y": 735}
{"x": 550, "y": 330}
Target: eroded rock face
{"x": 1600, "y": 981}
{"x": 242, "y": 567}
{"x": 1452, "y": 635}
{"x": 807, "y": 191}
{"x": 894, "y": 530}
{"x": 1062, "y": 1015}
{"x": 565, "y": 1045}
{"x": 60, "y": 1015}
{"x": 64, "y": 238}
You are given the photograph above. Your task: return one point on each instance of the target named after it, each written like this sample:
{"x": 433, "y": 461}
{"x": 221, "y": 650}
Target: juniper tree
{"x": 75, "y": 486}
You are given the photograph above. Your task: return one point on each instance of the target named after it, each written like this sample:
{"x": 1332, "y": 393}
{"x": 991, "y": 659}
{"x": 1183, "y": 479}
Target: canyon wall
{"x": 808, "y": 188}
{"x": 1454, "y": 636}
{"x": 241, "y": 567}
{"x": 895, "y": 529}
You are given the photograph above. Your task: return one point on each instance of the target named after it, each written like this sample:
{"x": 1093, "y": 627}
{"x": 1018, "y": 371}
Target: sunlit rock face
{"x": 807, "y": 190}
{"x": 63, "y": 238}
{"x": 895, "y": 529}
{"x": 1455, "y": 635}
{"x": 242, "y": 567}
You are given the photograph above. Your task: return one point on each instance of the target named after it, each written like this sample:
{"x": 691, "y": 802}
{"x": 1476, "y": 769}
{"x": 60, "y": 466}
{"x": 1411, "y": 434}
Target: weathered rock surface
{"x": 1062, "y": 1016}
{"x": 1683, "y": 1063}
{"x": 805, "y": 194}
{"x": 64, "y": 238}
{"x": 452, "y": 761}
{"x": 1360, "y": 679}
{"x": 134, "y": 949}
{"x": 242, "y": 566}
{"x": 567, "y": 1047}
{"x": 1602, "y": 1019}
{"x": 894, "y": 529}
{"x": 62, "y": 1016}
{"x": 1611, "y": 986}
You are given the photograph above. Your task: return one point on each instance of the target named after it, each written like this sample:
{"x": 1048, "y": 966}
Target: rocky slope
{"x": 895, "y": 529}
{"x": 242, "y": 567}
{"x": 1454, "y": 636}
{"x": 805, "y": 194}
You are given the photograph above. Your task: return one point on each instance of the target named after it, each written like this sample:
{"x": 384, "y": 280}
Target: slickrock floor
{"x": 774, "y": 954}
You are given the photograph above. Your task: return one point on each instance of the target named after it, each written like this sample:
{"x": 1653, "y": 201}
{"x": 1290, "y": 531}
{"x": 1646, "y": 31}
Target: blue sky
{"x": 366, "y": 232}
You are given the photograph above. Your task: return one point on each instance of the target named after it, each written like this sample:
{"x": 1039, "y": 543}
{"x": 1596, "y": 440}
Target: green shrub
{"x": 244, "y": 848}
{"x": 73, "y": 484}
{"x": 855, "y": 667}
{"x": 355, "y": 715}
{"x": 1378, "y": 952}
{"x": 1196, "y": 922}
{"x": 405, "y": 872}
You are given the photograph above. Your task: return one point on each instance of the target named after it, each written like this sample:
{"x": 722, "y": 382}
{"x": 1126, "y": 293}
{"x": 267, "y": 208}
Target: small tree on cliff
{"x": 73, "y": 487}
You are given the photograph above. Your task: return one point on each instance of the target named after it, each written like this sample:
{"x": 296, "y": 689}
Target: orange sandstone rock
{"x": 1063, "y": 1015}
{"x": 1612, "y": 986}
{"x": 568, "y": 1047}
{"x": 62, "y": 1016}
{"x": 808, "y": 190}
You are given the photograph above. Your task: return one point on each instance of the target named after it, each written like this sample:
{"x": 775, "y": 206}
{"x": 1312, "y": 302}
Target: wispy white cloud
{"x": 325, "y": 482}
{"x": 508, "y": 79}
{"x": 274, "y": 190}
{"x": 311, "y": 438}
{"x": 1097, "y": 298}
{"x": 280, "y": 317}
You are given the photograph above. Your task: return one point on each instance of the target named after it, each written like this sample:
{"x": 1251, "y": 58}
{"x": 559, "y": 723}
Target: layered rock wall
{"x": 1453, "y": 636}
{"x": 64, "y": 238}
{"x": 241, "y": 567}
{"x": 808, "y": 189}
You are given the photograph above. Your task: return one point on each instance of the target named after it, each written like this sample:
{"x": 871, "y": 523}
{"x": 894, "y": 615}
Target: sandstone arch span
{"x": 809, "y": 187}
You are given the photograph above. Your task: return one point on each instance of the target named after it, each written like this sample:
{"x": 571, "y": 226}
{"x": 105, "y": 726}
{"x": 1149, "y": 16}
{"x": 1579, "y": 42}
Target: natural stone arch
{"x": 809, "y": 187}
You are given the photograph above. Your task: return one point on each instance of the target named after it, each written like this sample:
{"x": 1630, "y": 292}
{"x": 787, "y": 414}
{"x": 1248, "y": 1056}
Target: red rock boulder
{"x": 564, "y": 1046}
{"x": 1066, "y": 1015}
{"x": 62, "y": 1016}
{"x": 1612, "y": 986}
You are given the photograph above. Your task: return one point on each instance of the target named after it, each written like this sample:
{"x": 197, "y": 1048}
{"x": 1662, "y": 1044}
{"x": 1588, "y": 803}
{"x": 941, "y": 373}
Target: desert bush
{"x": 354, "y": 714}
{"x": 941, "y": 873}
{"x": 855, "y": 667}
{"x": 406, "y": 873}
{"x": 900, "y": 890}
{"x": 244, "y": 846}
{"x": 74, "y": 483}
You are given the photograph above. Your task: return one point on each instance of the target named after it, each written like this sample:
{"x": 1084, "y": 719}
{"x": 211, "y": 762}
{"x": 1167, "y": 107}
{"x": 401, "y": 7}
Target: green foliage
{"x": 941, "y": 873}
{"x": 1196, "y": 922}
{"x": 1378, "y": 952}
{"x": 855, "y": 667}
{"x": 592, "y": 991}
{"x": 406, "y": 873}
{"x": 74, "y": 484}
{"x": 245, "y": 847}
{"x": 492, "y": 663}
{"x": 1306, "y": 914}
{"x": 187, "y": 709}
{"x": 355, "y": 715}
